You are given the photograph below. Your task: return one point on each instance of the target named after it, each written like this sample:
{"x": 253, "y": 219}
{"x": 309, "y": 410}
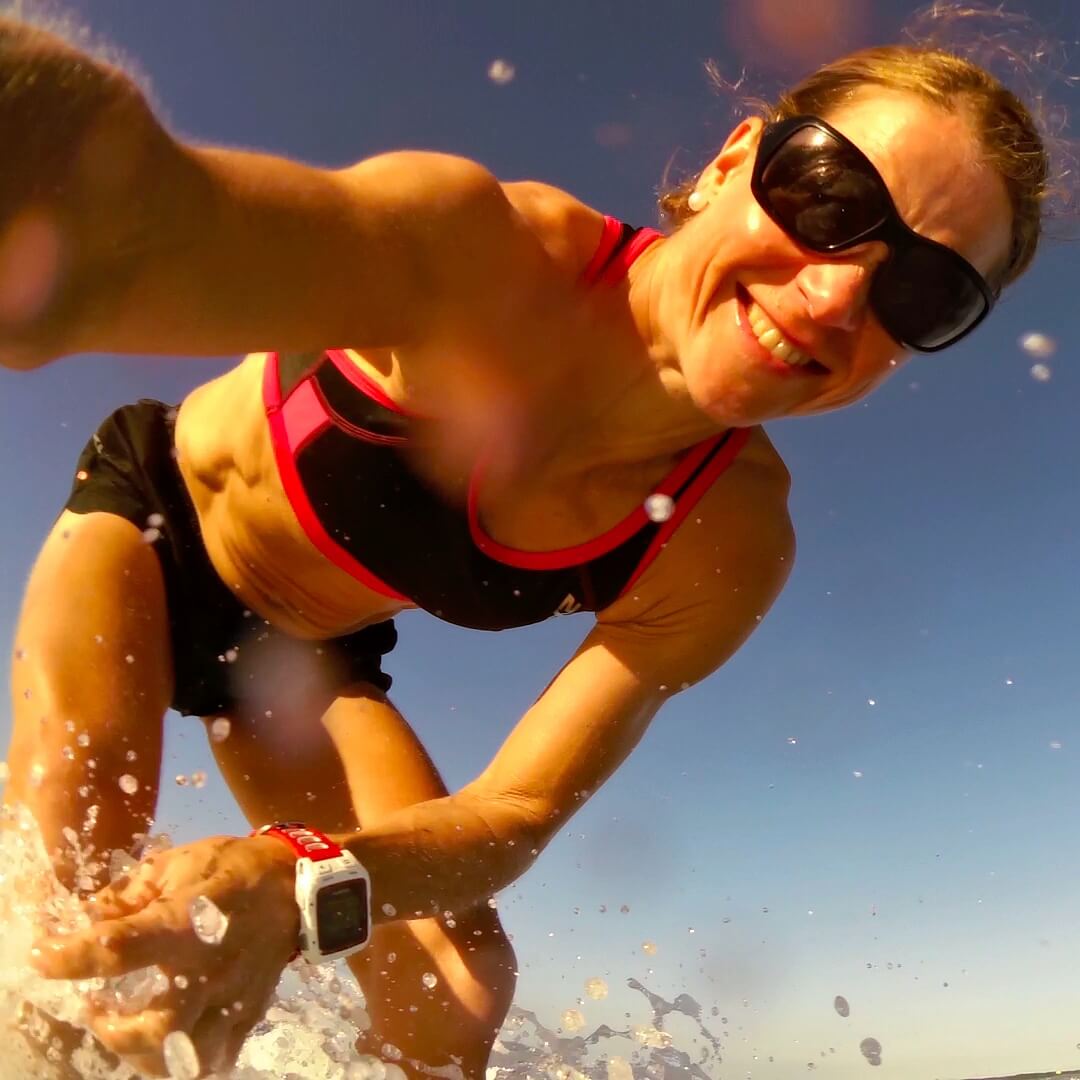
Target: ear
{"x": 738, "y": 150}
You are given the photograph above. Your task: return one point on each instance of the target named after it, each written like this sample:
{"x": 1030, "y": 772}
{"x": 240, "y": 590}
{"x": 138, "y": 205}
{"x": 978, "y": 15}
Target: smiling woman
{"x": 483, "y": 399}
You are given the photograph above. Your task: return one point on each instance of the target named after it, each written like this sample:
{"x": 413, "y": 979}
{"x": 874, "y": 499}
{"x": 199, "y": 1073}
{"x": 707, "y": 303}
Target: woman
{"x": 526, "y": 409}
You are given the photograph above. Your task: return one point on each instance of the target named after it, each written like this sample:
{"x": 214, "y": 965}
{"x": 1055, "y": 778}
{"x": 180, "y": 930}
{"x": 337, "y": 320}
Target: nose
{"x": 836, "y": 290}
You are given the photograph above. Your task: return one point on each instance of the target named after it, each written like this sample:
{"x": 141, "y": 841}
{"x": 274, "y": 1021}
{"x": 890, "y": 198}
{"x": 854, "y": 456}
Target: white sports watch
{"x": 333, "y": 893}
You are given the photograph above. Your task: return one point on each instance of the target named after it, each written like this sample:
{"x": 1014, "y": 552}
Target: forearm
{"x": 446, "y": 854}
{"x": 80, "y": 140}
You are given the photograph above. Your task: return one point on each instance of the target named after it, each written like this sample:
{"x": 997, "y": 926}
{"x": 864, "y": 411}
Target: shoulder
{"x": 721, "y": 570}
{"x": 567, "y": 229}
{"x": 460, "y": 208}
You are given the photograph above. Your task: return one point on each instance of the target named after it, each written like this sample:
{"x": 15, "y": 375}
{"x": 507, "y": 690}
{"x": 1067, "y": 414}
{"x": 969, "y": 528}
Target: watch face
{"x": 341, "y": 915}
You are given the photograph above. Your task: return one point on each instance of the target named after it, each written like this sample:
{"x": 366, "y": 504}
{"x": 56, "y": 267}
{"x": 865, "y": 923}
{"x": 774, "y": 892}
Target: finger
{"x": 159, "y": 931}
{"x": 129, "y": 893}
{"x": 138, "y": 1034}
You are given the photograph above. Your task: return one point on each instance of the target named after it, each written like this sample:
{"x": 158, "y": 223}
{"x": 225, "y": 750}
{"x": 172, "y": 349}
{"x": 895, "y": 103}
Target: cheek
{"x": 877, "y": 359}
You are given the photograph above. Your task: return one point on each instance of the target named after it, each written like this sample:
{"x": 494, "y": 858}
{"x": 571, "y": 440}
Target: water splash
{"x": 315, "y": 1017}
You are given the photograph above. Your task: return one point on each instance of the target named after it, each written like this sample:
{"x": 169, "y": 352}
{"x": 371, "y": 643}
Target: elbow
{"x": 518, "y": 828}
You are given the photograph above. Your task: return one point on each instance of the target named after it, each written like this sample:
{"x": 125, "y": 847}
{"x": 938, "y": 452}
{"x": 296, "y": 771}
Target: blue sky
{"x": 927, "y": 639}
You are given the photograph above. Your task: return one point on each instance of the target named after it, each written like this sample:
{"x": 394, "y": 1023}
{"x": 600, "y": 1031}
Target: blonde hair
{"x": 1005, "y": 129}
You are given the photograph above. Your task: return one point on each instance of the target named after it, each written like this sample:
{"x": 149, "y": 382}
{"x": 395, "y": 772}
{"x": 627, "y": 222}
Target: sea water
{"x": 309, "y": 1029}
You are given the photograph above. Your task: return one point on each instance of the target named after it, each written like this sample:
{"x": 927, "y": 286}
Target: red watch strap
{"x": 305, "y": 841}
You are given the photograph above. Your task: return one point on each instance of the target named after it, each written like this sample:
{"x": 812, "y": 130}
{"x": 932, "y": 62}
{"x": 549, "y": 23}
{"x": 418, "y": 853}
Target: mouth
{"x": 769, "y": 343}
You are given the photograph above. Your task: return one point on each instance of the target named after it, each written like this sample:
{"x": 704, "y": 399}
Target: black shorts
{"x": 129, "y": 468}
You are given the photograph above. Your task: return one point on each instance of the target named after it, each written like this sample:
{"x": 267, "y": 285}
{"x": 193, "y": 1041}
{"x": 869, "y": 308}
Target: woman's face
{"x": 730, "y": 266}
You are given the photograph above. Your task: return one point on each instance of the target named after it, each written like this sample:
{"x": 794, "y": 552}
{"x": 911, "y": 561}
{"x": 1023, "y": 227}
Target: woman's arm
{"x": 117, "y": 237}
{"x": 685, "y": 616}
{"x": 687, "y": 613}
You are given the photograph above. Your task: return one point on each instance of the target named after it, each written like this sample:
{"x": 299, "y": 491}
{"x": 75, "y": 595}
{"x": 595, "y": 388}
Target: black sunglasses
{"x": 824, "y": 192}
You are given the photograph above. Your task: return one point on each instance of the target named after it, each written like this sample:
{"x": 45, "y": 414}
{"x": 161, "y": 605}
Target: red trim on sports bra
{"x": 617, "y": 268}
{"x": 689, "y": 498}
{"x": 367, "y": 386}
{"x": 284, "y": 454}
{"x": 608, "y": 239}
{"x": 584, "y": 552}
{"x": 304, "y": 415}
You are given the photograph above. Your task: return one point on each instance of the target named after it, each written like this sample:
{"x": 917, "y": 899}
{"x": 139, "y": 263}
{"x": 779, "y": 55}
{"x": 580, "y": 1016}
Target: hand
{"x": 144, "y": 918}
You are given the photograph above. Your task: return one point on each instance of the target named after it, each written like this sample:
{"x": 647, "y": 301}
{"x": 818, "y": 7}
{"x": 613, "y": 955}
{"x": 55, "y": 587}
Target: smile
{"x": 771, "y": 339}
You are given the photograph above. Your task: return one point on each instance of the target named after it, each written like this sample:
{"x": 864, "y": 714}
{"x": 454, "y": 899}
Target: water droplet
{"x": 151, "y": 536}
{"x": 120, "y": 862}
{"x": 1036, "y": 344}
{"x": 651, "y": 1036}
{"x": 792, "y": 741}
{"x": 1055, "y": 744}
{"x": 181, "y": 780}
{"x": 83, "y": 739}
{"x": 429, "y": 980}
{"x": 1041, "y": 372}
{"x": 198, "y": 778}
{"x": 596, "y": 988}
{"x": 648, "y": 948}
{"x": 207, "y": 920}
{"x": 492, "y": 902}
{"x": 130, "y": 755}
{"x": 573, "y": 1020}
{"x": 501, "y": 72}
{"x": 219, "y": 729}
{"x": 181, "y": 1060}
{"x": 871, "y": 1050}
{"x": 659, "y": 507}
{"x": 155, "y": 521}
{"x": 870, "y": 701}
{"x": 128, "y": 784}
{"x": 840, "y": 1004}
{"x": 180, "y": 981}
{"x": 389, "y": 910}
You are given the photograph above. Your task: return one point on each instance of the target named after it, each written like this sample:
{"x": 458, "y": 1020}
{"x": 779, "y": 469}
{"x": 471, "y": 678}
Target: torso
{"x": 532, "y": 356}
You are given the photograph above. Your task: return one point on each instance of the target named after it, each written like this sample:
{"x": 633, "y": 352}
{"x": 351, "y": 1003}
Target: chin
{"x": 731, "y": 406}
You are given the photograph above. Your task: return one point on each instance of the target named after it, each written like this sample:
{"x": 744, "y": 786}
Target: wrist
{"x": 331, "y": 891}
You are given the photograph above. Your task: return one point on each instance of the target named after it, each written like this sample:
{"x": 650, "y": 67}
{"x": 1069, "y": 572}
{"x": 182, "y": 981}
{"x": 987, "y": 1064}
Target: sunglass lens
{"x": 820, "y": 192}
{"x": 924, "y": 300}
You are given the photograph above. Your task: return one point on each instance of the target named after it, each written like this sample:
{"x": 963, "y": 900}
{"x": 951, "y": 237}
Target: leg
{"x": 379, "y": 768}
{"x": 91, "y": 680}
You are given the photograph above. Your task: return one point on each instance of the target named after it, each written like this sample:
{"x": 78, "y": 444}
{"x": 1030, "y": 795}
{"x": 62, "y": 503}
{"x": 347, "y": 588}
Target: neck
{"x": 647, "y": 412}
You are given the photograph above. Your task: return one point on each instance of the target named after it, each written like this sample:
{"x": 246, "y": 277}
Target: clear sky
{"x": 877, "y": 796}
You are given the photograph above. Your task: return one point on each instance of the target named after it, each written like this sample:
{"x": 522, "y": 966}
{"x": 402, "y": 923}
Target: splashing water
{"x": 1036, "y": 344}
{"x": 310, "y": 1027}
{"x": 659, "y": 507}
{"x": 501, "y": 72}
{"x": 208, "y": 920}
{"x": 219, "y": 729}
{"x": 181, "y": 1060}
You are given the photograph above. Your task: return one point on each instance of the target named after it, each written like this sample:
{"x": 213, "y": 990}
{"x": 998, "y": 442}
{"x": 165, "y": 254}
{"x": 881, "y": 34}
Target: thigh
{"x": 91, "y": 680}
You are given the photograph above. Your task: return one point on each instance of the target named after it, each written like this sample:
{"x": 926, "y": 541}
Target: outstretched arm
{"x": 117, "y": 237}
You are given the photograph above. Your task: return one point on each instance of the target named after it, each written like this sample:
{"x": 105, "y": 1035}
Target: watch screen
{"x": 341, "y": 915}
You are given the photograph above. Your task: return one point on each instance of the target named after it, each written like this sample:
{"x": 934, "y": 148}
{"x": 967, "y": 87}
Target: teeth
{"x": 770, "y": 338}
